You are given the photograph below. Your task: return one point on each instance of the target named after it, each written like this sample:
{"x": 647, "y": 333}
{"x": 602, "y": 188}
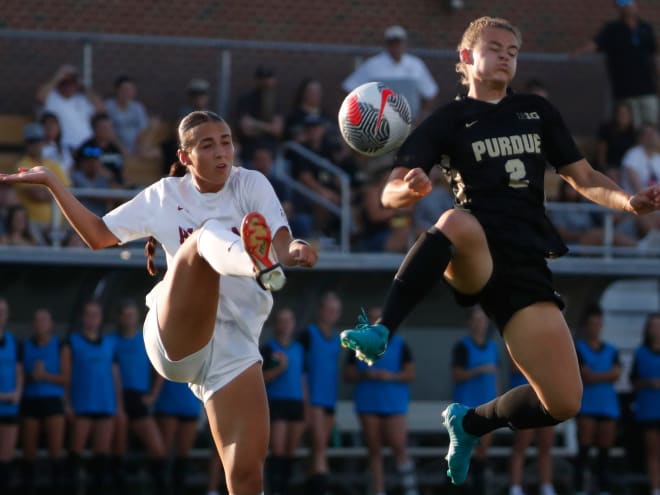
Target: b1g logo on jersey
{"x": 184, "y": 234}
{"x": 528, "y": 116}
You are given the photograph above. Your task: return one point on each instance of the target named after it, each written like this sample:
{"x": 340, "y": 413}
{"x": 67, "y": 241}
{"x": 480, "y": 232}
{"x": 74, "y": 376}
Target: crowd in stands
{"x": 94, "y": 142}
{"x": 85, "y": 407}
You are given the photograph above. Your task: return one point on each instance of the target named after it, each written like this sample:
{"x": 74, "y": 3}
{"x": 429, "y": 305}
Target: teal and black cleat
{"x": 461, "y": 443}
{"x": 368, "y": 341}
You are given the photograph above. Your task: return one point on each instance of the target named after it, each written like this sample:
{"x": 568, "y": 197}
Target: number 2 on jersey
{"x": 517, "y": 173}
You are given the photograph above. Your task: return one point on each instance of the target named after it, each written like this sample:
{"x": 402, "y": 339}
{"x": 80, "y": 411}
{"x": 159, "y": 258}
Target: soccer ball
{"x": 374, "y": 120}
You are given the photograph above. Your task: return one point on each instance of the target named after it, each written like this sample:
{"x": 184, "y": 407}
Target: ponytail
{"x": 177, "y": 169}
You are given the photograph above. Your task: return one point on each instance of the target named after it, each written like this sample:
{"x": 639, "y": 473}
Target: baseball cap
{"x": 395, "y": 33}
{"x": 624, "y": 3}
{"x": 33, "y": 132}
{"x": 198, "y": 85}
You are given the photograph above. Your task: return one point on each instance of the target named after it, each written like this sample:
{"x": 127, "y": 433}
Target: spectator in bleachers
{"x": 313, "y": 177}
{"x": 474, "y": 366}
{"x": 641, "y": 169}
{"x": 645, "y": 376}
{"x": 17, "y": 230}
{"x": 197, "y": 97}
{"x": 94, "y": 396}
{"x": 8, "y": 199}
{"x": 322, "y": 348}
{"x": 405, "y": 73}
{"x": 309, "y": 101}
{"x": 139, "y": 389}
{"x": 47, "y": 373}
{"x": 630, "y": 49}
{"x": 260, "y": 119}
{"x": 600, "y": 368}
{"x": 112, "y": 153}
{"x": 283, "y": 367}
{"x": 36, "y": 199}
{"x": 177, "y": 410}
{"x": 11, "y": 388}
{"x": 383, "y": 229}
{"x": 128, "y": 116}
{"x": 523, "y": 439}
{"x": 381, "y": 399}
{"x": 74, "y": 105}
{"x": 583, "y": 227}
{"x": 425, "y": 211}
{"x": 88, "y": 173}
{"x": 615, "y": 137}
{"x": 53, "y": 149}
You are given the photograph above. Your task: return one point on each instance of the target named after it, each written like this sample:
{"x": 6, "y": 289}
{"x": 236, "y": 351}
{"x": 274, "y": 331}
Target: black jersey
{"x": 496, "y": 155}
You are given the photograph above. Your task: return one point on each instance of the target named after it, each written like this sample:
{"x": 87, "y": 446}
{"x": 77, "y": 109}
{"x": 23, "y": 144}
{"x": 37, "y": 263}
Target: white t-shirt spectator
{"x": 74, "y": 114}
{"x": 383, "y": 67}
{"x": 128, "y": 122}
{"x": 647, "y": 168}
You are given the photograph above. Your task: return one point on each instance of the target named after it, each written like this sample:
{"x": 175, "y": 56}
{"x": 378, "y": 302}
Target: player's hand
{"x": 645, "y": 201}
{"x": 36, "y": 175}
{"x": 282, "y": 360}
{"x": 303, "y": 254}
{"x": 418, "y": 182}
{"x": 39, "y": 371}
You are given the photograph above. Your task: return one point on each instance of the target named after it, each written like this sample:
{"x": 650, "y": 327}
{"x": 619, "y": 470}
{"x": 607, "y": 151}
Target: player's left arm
{"x": 600, "y": 189}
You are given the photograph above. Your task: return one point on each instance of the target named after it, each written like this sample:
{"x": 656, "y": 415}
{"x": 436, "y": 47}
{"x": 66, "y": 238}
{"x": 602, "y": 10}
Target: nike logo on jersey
{"x": 470, "y": 124}
{"x": 179, "y": 208}
{"x": 507, "y": 146}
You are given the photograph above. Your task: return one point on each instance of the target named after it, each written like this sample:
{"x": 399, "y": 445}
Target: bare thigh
{"x": 55, "y": 434}
{"x": 187, "y": 302}
{"x": 606, "y": 433}
{"x": 371, "y": 431}
{"x": 30, "y": 428}
{"x": 471, "y": 265}
{"x": 185, "y": 437}
{"x": 102, "y": 432}
{"x": 294, "y": 432}
{"x": 395, "y": 431}
{"x": 586, "y": 430}
{"x": 529, "y": 334}
{"x": 147, "y": 431}
{"x": 8, "y": 439}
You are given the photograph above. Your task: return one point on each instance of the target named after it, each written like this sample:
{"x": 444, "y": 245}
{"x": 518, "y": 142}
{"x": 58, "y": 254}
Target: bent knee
{"x": 460, "y": 227}
{"x": 246, "y": 477}
{"x": 566, "y": 407}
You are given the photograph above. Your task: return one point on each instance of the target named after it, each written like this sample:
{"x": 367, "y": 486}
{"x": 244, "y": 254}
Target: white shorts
{"x": 227, "y": 355}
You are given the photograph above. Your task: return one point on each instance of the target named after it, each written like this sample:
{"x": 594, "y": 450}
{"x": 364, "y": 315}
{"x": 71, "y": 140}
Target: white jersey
{"x": 172, "y": 208}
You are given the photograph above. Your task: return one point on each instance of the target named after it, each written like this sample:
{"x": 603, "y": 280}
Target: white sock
{"x": 547, "y": 489}
{"x": 223, "y": 250}
{"x": 516, "y": 490}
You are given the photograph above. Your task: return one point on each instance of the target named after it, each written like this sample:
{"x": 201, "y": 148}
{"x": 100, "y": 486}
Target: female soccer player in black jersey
{"x": 491, "y": 247}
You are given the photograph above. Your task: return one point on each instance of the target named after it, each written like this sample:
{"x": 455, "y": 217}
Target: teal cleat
{"x": 368, "y": 341}
{"x": 461, "y": 443}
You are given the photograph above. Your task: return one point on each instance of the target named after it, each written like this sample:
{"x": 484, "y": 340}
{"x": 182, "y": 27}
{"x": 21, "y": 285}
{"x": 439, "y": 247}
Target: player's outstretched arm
{"x": 89, "y": 226}
{"x": 601, "y": 189}
{"x": 292, "y": 252}
{"x": 405, "y": 187}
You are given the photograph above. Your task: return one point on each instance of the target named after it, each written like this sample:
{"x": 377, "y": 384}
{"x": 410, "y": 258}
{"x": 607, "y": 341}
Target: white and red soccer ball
{"x": 374, "y": 120}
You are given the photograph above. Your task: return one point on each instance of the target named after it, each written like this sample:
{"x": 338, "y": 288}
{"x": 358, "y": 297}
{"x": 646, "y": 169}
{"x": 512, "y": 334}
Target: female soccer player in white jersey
{"x": 206, "y": 315}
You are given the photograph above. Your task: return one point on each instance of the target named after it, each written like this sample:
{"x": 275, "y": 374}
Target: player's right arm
{"x": 90, "y": 227}
{"x": 405, "y": 187}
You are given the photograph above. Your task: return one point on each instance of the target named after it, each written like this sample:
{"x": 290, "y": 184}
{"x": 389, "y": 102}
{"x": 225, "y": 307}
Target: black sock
{"x": 180, "y": 473}
{"x": 287, "y": 471}
{"x": 422, "y": 268}
{"x": 100, "y": 469}
{"x": 58, "y": 472}
{"x": 275, "y": 473}
{"x": 602, "y": 469}
{"x": 519, "y": 408}
{"x": 317, "y": 484}
{"x": 158, "y": 472}
{"x": 28, "y": 473}
{"x": 5, "y": 474}
{"x": 74, "y": 465}
{"x": 581, "y": 462}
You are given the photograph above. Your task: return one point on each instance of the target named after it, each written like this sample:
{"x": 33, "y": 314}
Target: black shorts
{"x": 651, "y": 424}
{"x": 42, "y": 407}
{"x": 598, "y": 418}
{"x": 518, "y": 280}
{"x": 286, "y": 410}
{"x": 134, "y": 406}
{"x": 94, "y": 416}
{"x": 9, "y": 420}
{"x": 184, "y": 418}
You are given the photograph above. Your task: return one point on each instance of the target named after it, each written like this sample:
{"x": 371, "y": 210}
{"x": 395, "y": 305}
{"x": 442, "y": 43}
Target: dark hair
{"x": 98, "y": 117}
{"x": 592, "y": 309}
{"x": 646, "y": 339}
{"x": 300, "y": 91}
{"x": 121, "y": 79}
{"x": 58, "y": 139}
{"x": 177, "y": 169}
{"x": 11, "y": 214}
